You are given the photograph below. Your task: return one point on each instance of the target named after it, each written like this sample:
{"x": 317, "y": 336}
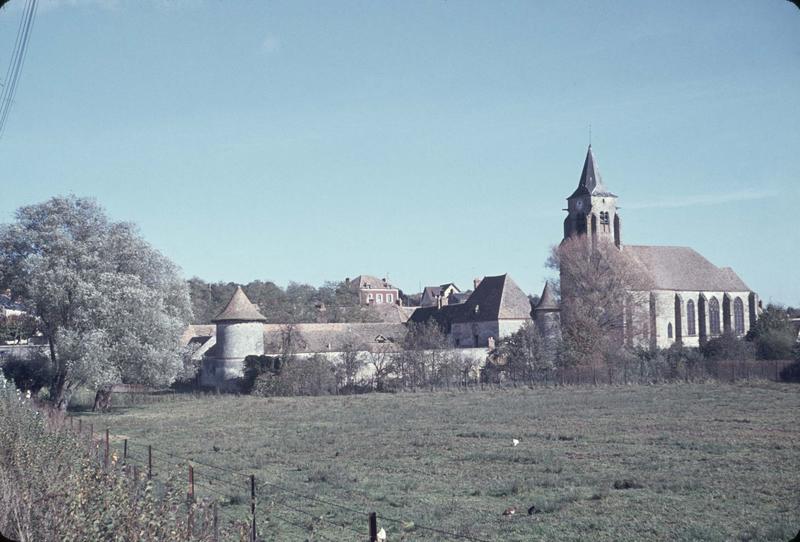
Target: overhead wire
{"x": 17, "y": 61}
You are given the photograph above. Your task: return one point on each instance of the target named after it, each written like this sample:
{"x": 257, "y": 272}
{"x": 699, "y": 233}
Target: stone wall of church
{"x": 670, "y": 318}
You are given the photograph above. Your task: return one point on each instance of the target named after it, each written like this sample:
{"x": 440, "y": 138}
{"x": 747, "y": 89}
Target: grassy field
{"x": 689, "y": 461}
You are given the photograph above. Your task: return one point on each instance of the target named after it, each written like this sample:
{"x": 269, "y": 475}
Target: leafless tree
{"x": 603, "y": 293}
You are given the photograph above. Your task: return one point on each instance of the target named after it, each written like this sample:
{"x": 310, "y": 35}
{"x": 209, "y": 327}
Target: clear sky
{"x": 431, "y": 141}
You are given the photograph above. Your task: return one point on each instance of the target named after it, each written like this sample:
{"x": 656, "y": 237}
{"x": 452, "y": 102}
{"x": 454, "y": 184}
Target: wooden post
{"x": 373, "y": 527}
{"x": 215, "y": 522}
{"x": 149, "y": 462}
{"x": 106, "y": 456}
{"x": 80, "y": 426}
{"x": 125, "y": 449}
{"x": 253, "y": 507}
{"x": 191, "y": 483}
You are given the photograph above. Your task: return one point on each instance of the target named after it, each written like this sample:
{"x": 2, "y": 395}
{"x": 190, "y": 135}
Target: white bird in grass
{"x": 381, "y": 535}
{"x": 514, "y": 442}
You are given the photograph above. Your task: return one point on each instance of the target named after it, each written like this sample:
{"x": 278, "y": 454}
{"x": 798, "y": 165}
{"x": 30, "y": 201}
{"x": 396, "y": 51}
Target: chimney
{"x": 347, "y": 281}
{"x": 475, "y": 282}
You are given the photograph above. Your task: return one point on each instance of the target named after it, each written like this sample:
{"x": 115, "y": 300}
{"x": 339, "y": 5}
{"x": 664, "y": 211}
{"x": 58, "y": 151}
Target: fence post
{"x": 80, "y": 426}
{"x": 373, "y": 527}
{"x": 253, "y": 507}
{"x": 191, "y": 483}
{"x": 106, "y": 456}
{"x": 149, "y": 461}
{"x": 125, "y": 450}
{"x": 214, "y": 521}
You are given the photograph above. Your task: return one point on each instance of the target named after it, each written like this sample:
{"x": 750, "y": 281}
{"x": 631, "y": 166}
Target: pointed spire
{"x": 240, "y": 309}
{"x": 591, "y": 182}
{"x": 548, "y": 299}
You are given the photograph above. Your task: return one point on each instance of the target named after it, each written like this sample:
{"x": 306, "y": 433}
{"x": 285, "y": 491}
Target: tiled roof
{"x": 682, "y": 268}
{"x": 241, "y": 309}
{"x": 332, "y": 337}
{"x": 367, "y": 281}
{"x": 495, "y": 298}
{"x": 591, "y": 183}
{"x": 548, "y": 299}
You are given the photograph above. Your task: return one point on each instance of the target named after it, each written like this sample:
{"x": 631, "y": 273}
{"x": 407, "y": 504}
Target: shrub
{"x": 727, "y": 347}
{"x": 29, "y": 372}
{"x": 52, "y": 488}
{"x": 773, "y": 334}
{"x": 298, "y": 376}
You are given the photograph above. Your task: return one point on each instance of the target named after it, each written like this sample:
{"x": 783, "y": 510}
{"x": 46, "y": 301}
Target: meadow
{"x": 707, "y": 461}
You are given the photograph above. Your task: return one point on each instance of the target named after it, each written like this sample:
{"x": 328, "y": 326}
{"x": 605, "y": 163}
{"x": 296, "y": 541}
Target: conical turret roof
{"x": 240, "y": 309}
{"x": 548, "y": 299}
{"x": 591, "y": 182}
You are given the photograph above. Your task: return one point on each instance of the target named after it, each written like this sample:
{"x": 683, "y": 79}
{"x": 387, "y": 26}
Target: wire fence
{"x": 264, "y": 505}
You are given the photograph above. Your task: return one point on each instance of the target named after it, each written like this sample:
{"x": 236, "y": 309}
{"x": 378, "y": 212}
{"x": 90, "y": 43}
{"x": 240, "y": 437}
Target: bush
{"x": 30, "y": 372}
{"x": 298, "y": 376}
{"x": 773, "y": 334}
{"x": 53, "y": 489}
{"x": 727, "y": 347}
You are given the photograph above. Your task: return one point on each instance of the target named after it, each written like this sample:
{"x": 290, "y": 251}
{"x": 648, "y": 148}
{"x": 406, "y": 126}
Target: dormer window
{"x": 477, "y": 309}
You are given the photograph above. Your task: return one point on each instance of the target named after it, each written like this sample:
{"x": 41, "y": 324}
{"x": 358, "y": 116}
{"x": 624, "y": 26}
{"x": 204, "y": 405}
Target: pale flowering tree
{"x": 112, "y": 307}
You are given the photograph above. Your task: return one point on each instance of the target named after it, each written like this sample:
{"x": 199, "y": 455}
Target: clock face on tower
{"x": 579, "y": 204}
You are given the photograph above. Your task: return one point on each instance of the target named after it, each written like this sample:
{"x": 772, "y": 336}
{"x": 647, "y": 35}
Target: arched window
{"x": 669, "y": 330}
{"x": 738, "y": 316}
{"x": 713, "y": 316}
{"x": 690, "y": 328}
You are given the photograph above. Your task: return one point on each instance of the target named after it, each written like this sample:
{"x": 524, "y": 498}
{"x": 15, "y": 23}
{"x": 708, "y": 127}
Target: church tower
{"x": 592, "y": 208}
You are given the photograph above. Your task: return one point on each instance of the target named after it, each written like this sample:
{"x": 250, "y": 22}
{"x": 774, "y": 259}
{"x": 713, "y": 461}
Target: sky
{"x": 428, "y": 142}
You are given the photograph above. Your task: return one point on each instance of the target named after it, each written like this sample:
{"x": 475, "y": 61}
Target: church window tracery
{"x": 690, "y": 320}
{"x": 738, "y": 316}
{"x": 713, "y": 316}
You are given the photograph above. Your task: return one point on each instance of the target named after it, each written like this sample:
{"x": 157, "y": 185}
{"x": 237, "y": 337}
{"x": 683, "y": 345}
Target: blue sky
{"x": 434, "y": 141}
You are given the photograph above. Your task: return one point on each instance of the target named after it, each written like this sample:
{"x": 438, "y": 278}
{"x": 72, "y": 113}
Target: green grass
{"x": 692, "y": 461}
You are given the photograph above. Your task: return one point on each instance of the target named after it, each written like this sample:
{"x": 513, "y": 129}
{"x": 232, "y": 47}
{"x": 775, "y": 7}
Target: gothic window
{"x": 604, "y": 218}
{"x": 690, "y": 328}
{"x": 713, "y": 316}
{"x": 738, "y": 316}
{"x": 669, "y": 330}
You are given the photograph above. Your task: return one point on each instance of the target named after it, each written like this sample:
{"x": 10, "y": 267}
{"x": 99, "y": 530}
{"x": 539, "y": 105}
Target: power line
{"x": 17, "y": 61}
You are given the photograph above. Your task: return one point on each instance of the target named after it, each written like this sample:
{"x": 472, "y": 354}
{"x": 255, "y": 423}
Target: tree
{"x": 425, "y": 354}
{"x": 525, "y": 354}
{"x": 602, "y": 292}
{"x": 773, "y": 334}
{"x": 111, "y": 307}
{"x": 349, "y": 364}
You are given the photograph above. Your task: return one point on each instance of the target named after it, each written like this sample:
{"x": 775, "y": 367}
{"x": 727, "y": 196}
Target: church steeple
{"x": 592, "y": 207}
{"x": 590, "y": 183}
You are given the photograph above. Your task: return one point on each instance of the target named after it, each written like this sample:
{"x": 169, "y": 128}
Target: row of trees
{"x": 332, "y": 302}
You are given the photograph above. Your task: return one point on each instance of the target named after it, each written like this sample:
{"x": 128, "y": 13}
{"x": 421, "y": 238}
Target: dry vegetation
{"x": 672, "y": 462}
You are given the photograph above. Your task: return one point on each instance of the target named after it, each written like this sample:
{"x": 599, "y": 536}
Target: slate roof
{"x": 682, "y": 268}
{"x": 315, "y": 338}
{"x": 240, "y": 309}
{"x": 591, "y": 183}
{"x": 495, "y": 298}
{"x": 362, "y": 282}
{"x": 548, "y": 299}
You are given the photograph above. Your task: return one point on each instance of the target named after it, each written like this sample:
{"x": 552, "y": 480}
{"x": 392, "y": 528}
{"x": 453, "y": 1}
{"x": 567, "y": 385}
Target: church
{"x": 688, "y": 299}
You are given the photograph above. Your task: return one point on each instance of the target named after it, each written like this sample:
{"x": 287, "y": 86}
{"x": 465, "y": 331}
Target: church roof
{"x": 241, "y": 309}
{"x": 591, "y": 183}
{"x": 548, "y": 299}
{"x": 682, "y": 268}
